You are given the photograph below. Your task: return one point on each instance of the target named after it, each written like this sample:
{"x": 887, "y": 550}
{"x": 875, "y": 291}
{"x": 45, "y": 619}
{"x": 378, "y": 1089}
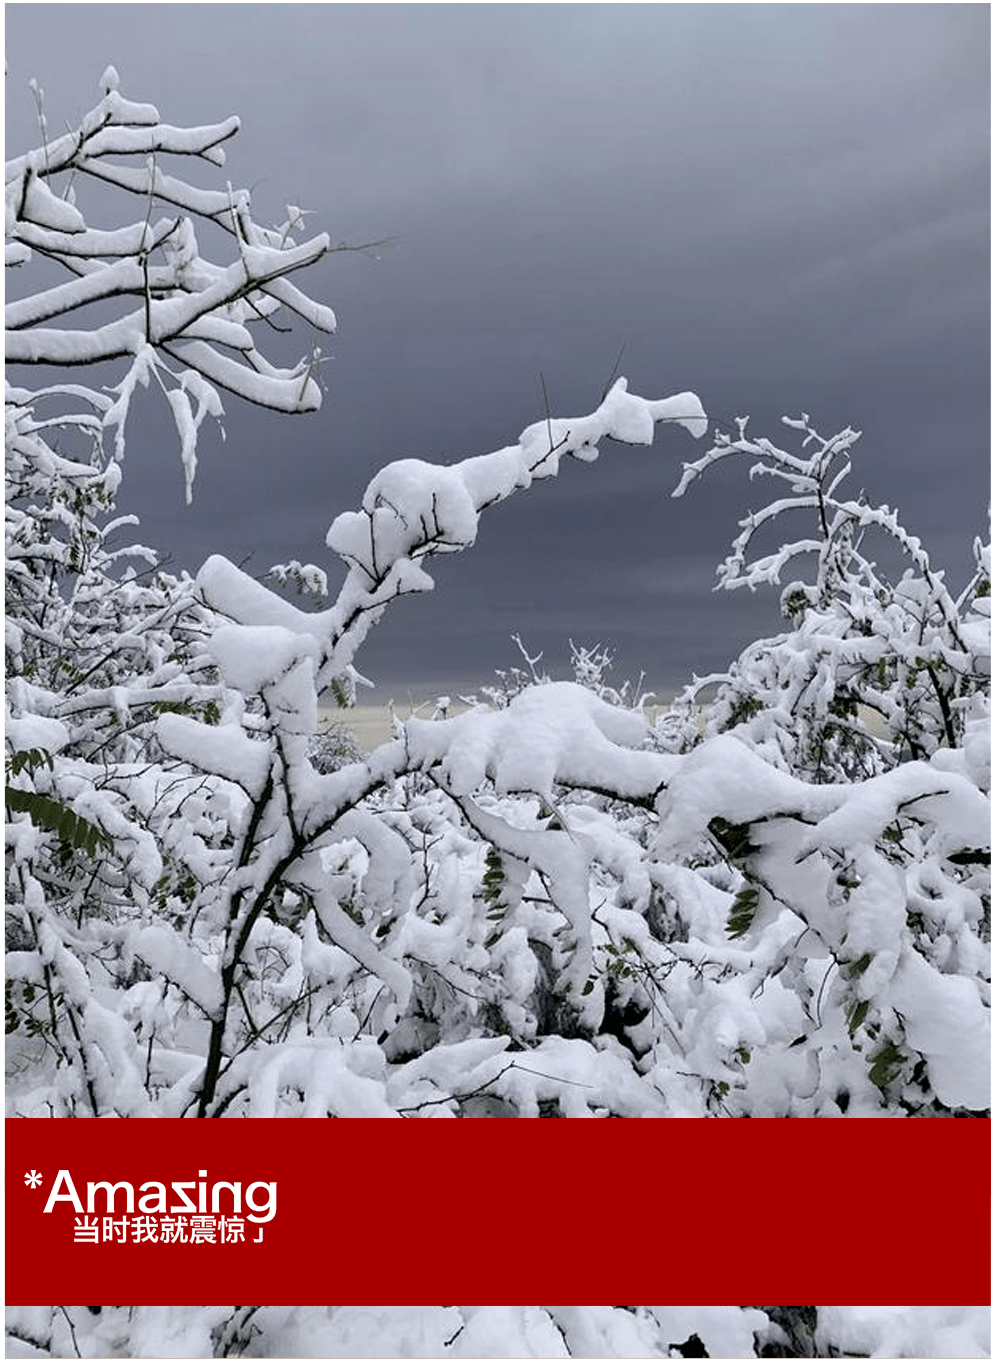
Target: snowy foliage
{"x": 497, "y": 1332}
{"x": 180, "y": 319}
{"x": 871, "y": 673}
{"x": 539, "y": 907}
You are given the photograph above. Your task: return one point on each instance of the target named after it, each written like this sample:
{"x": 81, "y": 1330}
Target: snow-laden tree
{"x": 98, "y": 641}
{"x": 498, "y": 1332}
{"x": 538, "y": 907}
{"x": 879, "y": 690}
{"x": 872, "y": 673}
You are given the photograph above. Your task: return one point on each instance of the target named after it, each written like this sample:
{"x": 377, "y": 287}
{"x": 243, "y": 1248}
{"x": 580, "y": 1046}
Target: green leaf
{"x": 72, "y": 829}
{"x": 339, "y": 694}
{"x": 857, "y": 1015}
{"x": 745, "y": 904}
{"x": 886, "y": 1064}
{"x": 494, "y": 878}
{"x": 29, "y": 760}
{"x": 859, "y": 967}
{"x": 172, "y": 708}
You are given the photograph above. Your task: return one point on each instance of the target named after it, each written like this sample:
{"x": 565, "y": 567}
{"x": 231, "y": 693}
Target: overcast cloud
{"x": 781, "y": 207}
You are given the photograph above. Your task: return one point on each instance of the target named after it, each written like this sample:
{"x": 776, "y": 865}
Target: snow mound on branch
{"x": 907, "y": 1332}
{"x": 580, "y": 1078}
{"x": 866, "y": 809}
{"x": 326, "y": 1071}
{"x": 162, "y": 1333}
{"x": 974, "y": 758}
{"x": 48, "y": 210}
{"x": 947, "y": 1022}
{"x": 604, "y": 1332}
{"x": 360, "y": 1332}
{"x": 724, "y": 1333}
{"x": 35, "y": 731}
{"x": 724, "y": 777}
{"x": 432, "y": 494}
{"x": 508, "y": 1333}
{"x": 623, "y": 416}
{"x": 250, "y": 657}
{"x": 450, "y": 1067}
{"x": 167, "y": 954}
{"x": 235, "y": 594}
{"x": 225, "y": 750}
{"x": 552, "y": 732}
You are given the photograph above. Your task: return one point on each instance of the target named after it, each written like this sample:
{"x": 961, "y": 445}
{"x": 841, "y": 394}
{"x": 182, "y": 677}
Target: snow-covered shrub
{"x": 879, "y": 692}
{"x": 871, "y": 672}
{"x": 498, "y": 1332}
{"x": 230, "y": 894}
{"x": 99, "y": 642}
{"x": 539, "y": 906}
{"x": 349, "y": 859}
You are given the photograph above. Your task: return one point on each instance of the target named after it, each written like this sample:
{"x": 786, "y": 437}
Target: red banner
{"x": 303, "y": 1210}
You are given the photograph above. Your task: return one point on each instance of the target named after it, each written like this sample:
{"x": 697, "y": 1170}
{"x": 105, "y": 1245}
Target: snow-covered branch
{"x": 413, "y": 509}
{"x": 175, "y": 307}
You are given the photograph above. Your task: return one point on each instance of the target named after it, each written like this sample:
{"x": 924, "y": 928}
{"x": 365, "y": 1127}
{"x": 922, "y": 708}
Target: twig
{"x": 546, "y": 408}
{"x": 72, "y": 1331}
{"x": 615, "y": 371}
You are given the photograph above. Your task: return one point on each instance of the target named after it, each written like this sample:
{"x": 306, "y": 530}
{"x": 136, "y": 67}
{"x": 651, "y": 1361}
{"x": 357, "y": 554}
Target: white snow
{"x": 945, "y": 1019}
{"x": 252, "y": 657}
{"x": 559, "y": 732}
{"x": 169, "y": 955}
{"x": 225, "y": 750}
{"x": 35, "y": 731}
{"x": 908, "y": 1332}
{"x": 490, "y": 1332}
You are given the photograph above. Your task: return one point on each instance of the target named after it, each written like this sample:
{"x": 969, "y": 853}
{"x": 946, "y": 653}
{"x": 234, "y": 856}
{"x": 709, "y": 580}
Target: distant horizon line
{"x": 419, "y": 698}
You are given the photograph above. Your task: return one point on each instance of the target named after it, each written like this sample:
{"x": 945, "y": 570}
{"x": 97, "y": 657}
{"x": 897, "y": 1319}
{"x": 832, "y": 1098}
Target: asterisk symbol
{"x": 32, "y": 1179}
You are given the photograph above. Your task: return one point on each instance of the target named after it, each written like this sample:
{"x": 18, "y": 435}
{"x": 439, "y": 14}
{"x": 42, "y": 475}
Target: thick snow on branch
{"x": 172, "y": 304}
{"x": 558, "y": 734}
{"x": 413, "y": 509}
{"x": 163, "y": 320}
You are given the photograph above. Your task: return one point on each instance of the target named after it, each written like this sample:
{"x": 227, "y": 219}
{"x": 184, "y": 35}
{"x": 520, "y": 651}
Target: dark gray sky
{"x": 781, "y": 207}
